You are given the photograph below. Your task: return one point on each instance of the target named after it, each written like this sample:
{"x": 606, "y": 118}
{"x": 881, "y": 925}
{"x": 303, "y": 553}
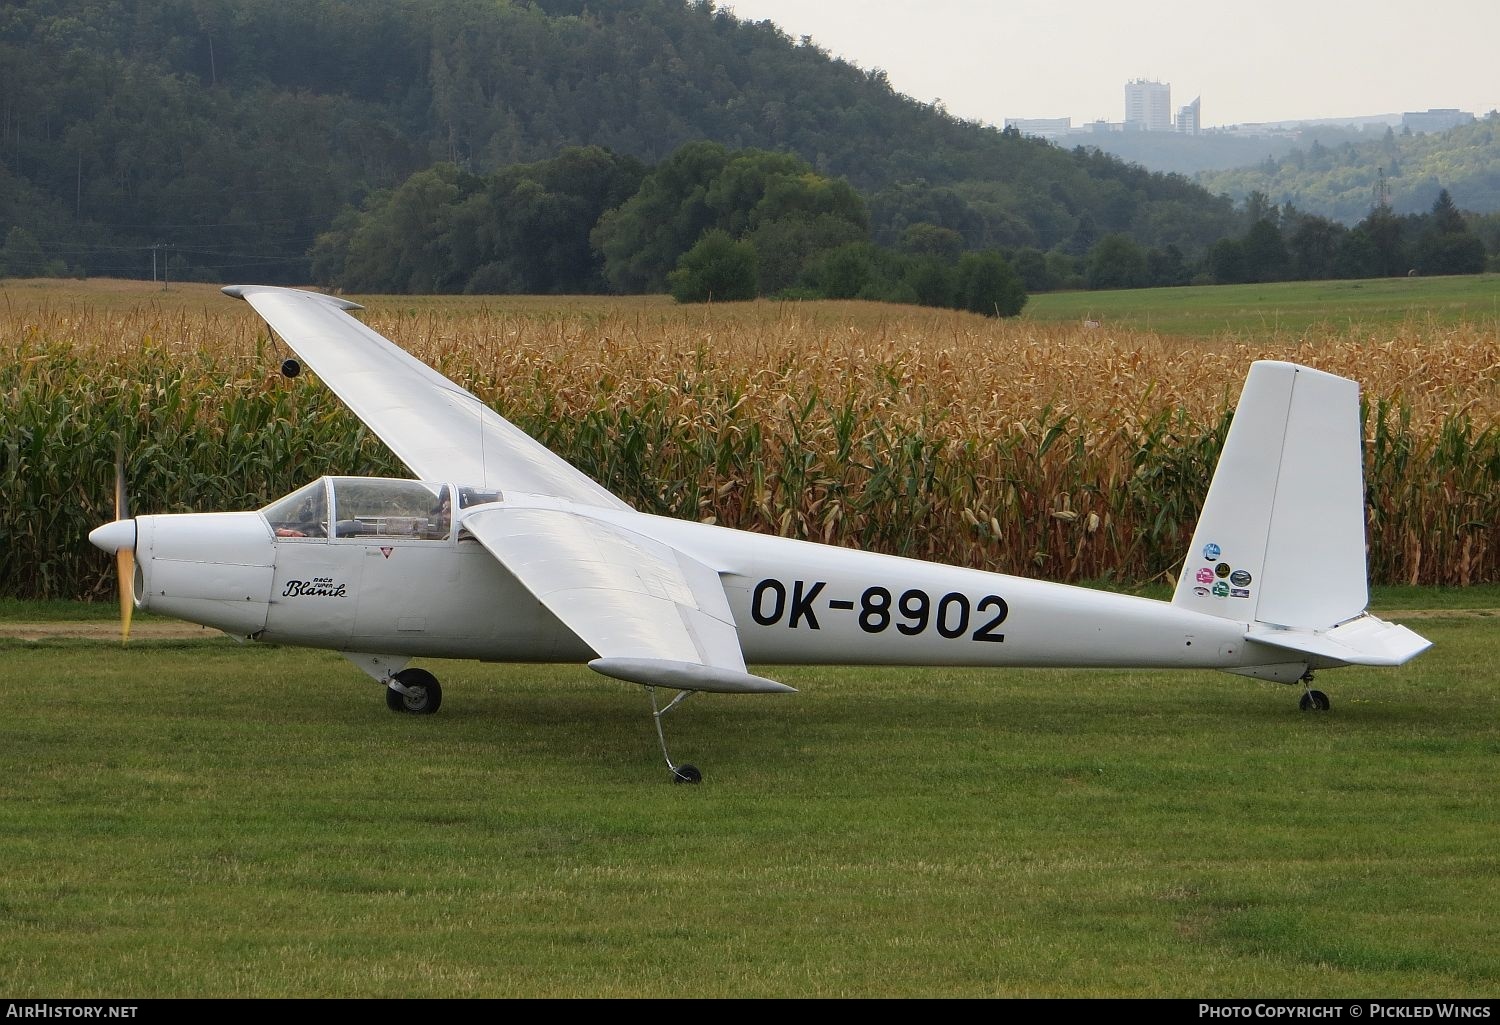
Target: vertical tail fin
{"x": 1281, "y": 539}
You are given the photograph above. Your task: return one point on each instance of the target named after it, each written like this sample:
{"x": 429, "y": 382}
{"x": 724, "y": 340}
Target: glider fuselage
{"x": 793, "y": 602}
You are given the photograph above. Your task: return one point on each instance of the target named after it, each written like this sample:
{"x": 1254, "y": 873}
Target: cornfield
{"x": 1060, "y": 451}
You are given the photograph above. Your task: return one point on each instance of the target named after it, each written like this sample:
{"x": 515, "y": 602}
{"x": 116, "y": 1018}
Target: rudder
{"x": 1281, "y": 538}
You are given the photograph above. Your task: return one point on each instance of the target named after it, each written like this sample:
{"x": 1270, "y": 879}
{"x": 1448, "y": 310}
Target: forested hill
{"x": 1343, "y": 182}
{"x": 233, "y": 131}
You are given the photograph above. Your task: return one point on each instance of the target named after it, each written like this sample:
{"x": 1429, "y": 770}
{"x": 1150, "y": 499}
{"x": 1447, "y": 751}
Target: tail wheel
{"x": 423, "y": 695}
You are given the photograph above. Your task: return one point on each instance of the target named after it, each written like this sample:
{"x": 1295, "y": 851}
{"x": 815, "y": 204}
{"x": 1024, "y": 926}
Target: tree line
{"x": 1402, "y": 170}
{"x": 708, "y": 223}
{"x": 705, "y": 224}
{"x": 1282, "y": 243}
{"x": 223, "y": 136}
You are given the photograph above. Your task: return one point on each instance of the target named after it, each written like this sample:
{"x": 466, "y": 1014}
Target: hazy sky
{"x": 1268, "y": 60}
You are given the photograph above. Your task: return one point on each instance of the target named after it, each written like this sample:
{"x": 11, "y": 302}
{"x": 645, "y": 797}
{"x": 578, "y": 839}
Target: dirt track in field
{"x": 104, "y": 630}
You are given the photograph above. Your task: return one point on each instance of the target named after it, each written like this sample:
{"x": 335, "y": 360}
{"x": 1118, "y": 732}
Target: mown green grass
{"x": 65, "y": 611}
{"x": 1280, "y": 308}
{"x": 200, "y": 818}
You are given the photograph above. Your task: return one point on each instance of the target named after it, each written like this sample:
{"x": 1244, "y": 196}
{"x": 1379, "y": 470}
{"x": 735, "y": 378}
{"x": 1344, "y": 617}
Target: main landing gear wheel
{"x": 420, "y": 693}
{"x": 1314, "y": 701}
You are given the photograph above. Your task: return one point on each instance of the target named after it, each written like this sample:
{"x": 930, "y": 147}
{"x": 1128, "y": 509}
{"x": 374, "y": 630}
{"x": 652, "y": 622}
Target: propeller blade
{"x": 124, "y": 557}
{"x": 125, "y": 565}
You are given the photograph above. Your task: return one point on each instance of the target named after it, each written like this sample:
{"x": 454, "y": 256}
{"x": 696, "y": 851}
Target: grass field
{"x": 1281, "y": 309}
{"x": 194, "y": 818}
{"x": 1262, "y": 312}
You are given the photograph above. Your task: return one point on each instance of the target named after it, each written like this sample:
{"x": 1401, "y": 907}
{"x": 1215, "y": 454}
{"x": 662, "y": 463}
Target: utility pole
{"x": 163, "y": 247}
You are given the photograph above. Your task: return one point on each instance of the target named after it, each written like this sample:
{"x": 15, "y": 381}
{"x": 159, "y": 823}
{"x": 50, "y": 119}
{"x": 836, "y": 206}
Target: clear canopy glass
{"x": 375, "y": 507}
{"x": 303, "y": 513}
{"x": 368, "y": 507}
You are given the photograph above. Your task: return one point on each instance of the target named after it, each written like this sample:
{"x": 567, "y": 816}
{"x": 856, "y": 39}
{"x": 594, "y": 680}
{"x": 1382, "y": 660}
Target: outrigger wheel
{"x": 419, "y": 693}
{"x": 683, "y": 772}
{"x": 1312, "y": 700}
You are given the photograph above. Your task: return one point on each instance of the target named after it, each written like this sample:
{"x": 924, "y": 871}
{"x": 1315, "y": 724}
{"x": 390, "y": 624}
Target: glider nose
{"x": 114, "y": 536}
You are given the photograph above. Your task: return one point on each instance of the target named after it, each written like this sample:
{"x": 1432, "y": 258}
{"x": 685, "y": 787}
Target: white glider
{"x": 502, "y": 551}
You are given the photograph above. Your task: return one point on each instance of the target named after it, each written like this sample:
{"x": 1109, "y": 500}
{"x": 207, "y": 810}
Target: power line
{"x": 73, "y": 255}
{"x": 72, "y": 248}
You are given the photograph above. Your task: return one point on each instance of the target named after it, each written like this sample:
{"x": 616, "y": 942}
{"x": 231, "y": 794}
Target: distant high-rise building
{"x": 1190, "y": 118}
{"x": 1439, "y": 119}
{"x": 1148, "y": 106}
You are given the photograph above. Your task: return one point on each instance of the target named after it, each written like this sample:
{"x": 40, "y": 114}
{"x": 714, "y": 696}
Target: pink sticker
{"x": 1205, "y": 575}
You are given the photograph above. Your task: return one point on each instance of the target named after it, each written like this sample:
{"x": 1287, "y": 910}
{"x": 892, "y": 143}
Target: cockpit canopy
{"x": 371, "y": 507}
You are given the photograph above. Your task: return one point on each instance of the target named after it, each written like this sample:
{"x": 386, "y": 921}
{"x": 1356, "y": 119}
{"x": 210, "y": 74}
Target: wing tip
{"x": 246, "y": 291}
{"x": 653, "y": 672}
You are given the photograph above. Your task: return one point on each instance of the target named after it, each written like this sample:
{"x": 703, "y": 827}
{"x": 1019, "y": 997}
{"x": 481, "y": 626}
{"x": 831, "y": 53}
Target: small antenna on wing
{"x": 484, "y": 464}
{"x": 480, "y": 409}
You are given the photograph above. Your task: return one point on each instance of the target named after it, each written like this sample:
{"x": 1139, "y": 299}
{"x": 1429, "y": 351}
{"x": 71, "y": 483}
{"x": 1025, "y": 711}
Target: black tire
{"x": 425, "y": 699}
{"x": 1314, "y": 701}
{"x": 687, "y": 774}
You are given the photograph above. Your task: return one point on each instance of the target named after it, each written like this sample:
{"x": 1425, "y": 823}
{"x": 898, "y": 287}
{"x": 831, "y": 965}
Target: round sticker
{"x": 1222, "y": 569}
{"x": 1210, "y": 551}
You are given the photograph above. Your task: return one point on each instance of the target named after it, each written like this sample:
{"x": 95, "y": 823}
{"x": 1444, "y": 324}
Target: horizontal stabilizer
{"x": 654, "y": 672}
{"x": 1366, "y": 641}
